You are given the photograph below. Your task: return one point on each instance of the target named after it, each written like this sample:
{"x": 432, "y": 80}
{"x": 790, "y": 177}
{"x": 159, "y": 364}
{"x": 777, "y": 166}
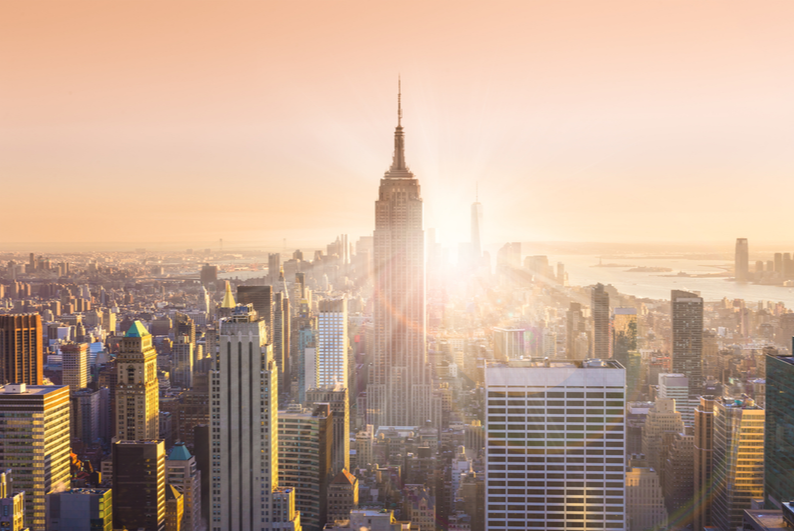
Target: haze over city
{"x": 184, "y": 122}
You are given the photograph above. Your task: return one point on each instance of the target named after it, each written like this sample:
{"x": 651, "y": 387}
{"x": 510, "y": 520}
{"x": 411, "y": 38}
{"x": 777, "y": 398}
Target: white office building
{"x": 676, "y": 386}
{"x": 332, "y": 342}
{"x": 244, "y": 433}
{"x": 555, "y": 444}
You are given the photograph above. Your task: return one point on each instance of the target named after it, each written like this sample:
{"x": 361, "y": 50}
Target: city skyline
{"x": 570, "y": 121}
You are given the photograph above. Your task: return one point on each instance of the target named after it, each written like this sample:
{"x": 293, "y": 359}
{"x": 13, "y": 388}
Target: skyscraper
{"x": 243, "y": 418}
{"x": 75, "y": 365}
{"x": 625, "y": 346}
{"x": 182, "y": 473}
{"x": 738, "y": 460}
{"x": 139, "y": 485}
{"x": 37, "y": 448}
{"x": 332, "y": 342}
{"x": 305, "y": 440}
{"x": 399, "y": 391}
{"x": 336, "y": 397}
{"x": 575, "y": 325}
{"x": 262, "y": 299}
{"x": 137, "y": 387}
{"x": 538, "y": 446}
{"x": 21, "y": 349}
{"x": 600, "y": 311}
{"x": 687, "y": 323}
{"x": 741, "y": 260}
{"x": 702, "y": 462}
{"x": 778, "y": 430}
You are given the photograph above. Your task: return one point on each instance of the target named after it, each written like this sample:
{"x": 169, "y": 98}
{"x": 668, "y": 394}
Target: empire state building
{"x": 399, "y": 390}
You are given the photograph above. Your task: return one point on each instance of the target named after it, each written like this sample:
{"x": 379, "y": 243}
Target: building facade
{"x": 21, "y": 358}
{"x": 546, "y": 421}
{"x": 600, "y": 313}
{"x": 336, "y": 397}
{"x": 75, "y": 365}
{"x": 778, "y": 431}
{"x": 137, "y": 387}
{"x": 687, "y": 324}
{"x": 305, "y": 437}
{"x": 332, "y": 342}
{"x": 183, "y": 473}
{"x": 244, "y": 434}
{"x": 80, "y": 510}
{"x": 738, "y": 460}
{"x": 399, "y": 390}
{"x": 37, "y": 448}
{"x": 702, "y": 462}
{"x": 139, "y": 485}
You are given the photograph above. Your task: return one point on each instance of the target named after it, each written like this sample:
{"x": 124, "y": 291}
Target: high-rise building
{"x": 305, "y": 349}
{"x": 343, "y": 496}
{"x": 332, "y": 342}
{"x": 137, "y": 387}
{"x": 183, "y": 357}
{"x": 645, "y": 502}
{"x": 575, "y": 325}
{"x": 243, "y": 419}
{"x": 182, "y": 472}
{"x": 139, "y": 485}
{"x": 261, "y": 297}
{"x": 12, "y": 506}
{"x": 175, "y": 509}
{"x": 509, "y": 344}
{"x": 676, "y": 386}
{"x": 281, "y": 336}
{"x": 86, "y": 415}
{"x": 283, "y": 513}
{"x": 80, "y": 510}
{"x": 209, "y": 274}
{"x": 738, "y": 460}
{"x": 399, "y": 390}
{"x": 687, "y": 323}
{"x": 305, "y": 437}
{"x": 37, "y": 448}
{"x": 274, "y": 266}
{"x": 702, "y": 462}
{"x": 741, "y": 260}
{"x": 75, "y": 365}
{"x": 625, "y": 333}
{"x": 538, "y": 445}
{"x": 336, "y": 396}
{"x": 663, "y": 418}
{"x": 600, "y": 312}
{"x": 678, "y": 477}
{"x": 778, "y": 430}
{"x": 21, "y": 349}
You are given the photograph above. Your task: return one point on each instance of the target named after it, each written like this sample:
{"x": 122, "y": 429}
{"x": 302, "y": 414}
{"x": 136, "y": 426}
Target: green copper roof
{"x": 179, "y": 453}
{"x": 137, "y": 330}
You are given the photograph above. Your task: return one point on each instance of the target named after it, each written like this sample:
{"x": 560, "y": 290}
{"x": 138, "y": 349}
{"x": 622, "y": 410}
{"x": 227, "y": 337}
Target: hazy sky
{"x": 255, "y": 121}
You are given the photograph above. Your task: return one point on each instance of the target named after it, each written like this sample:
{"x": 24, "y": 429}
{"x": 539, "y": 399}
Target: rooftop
{"x": 179, "y": 453}
{"x": 137, "y": 330}
{"x": 544, "y": 363}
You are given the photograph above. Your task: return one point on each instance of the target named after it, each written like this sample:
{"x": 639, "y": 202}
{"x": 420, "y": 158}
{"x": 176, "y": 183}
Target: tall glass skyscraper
{"x": 778, "y": 430}
{"x": 399, "y": 391}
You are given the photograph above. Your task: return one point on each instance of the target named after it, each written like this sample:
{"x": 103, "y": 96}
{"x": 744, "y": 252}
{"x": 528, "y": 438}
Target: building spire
{"x": 400, "y": 109}
{"x": 399, "y": 157}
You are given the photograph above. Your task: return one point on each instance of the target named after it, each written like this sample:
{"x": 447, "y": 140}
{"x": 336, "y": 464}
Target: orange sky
{"x": 191, "y": 121}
